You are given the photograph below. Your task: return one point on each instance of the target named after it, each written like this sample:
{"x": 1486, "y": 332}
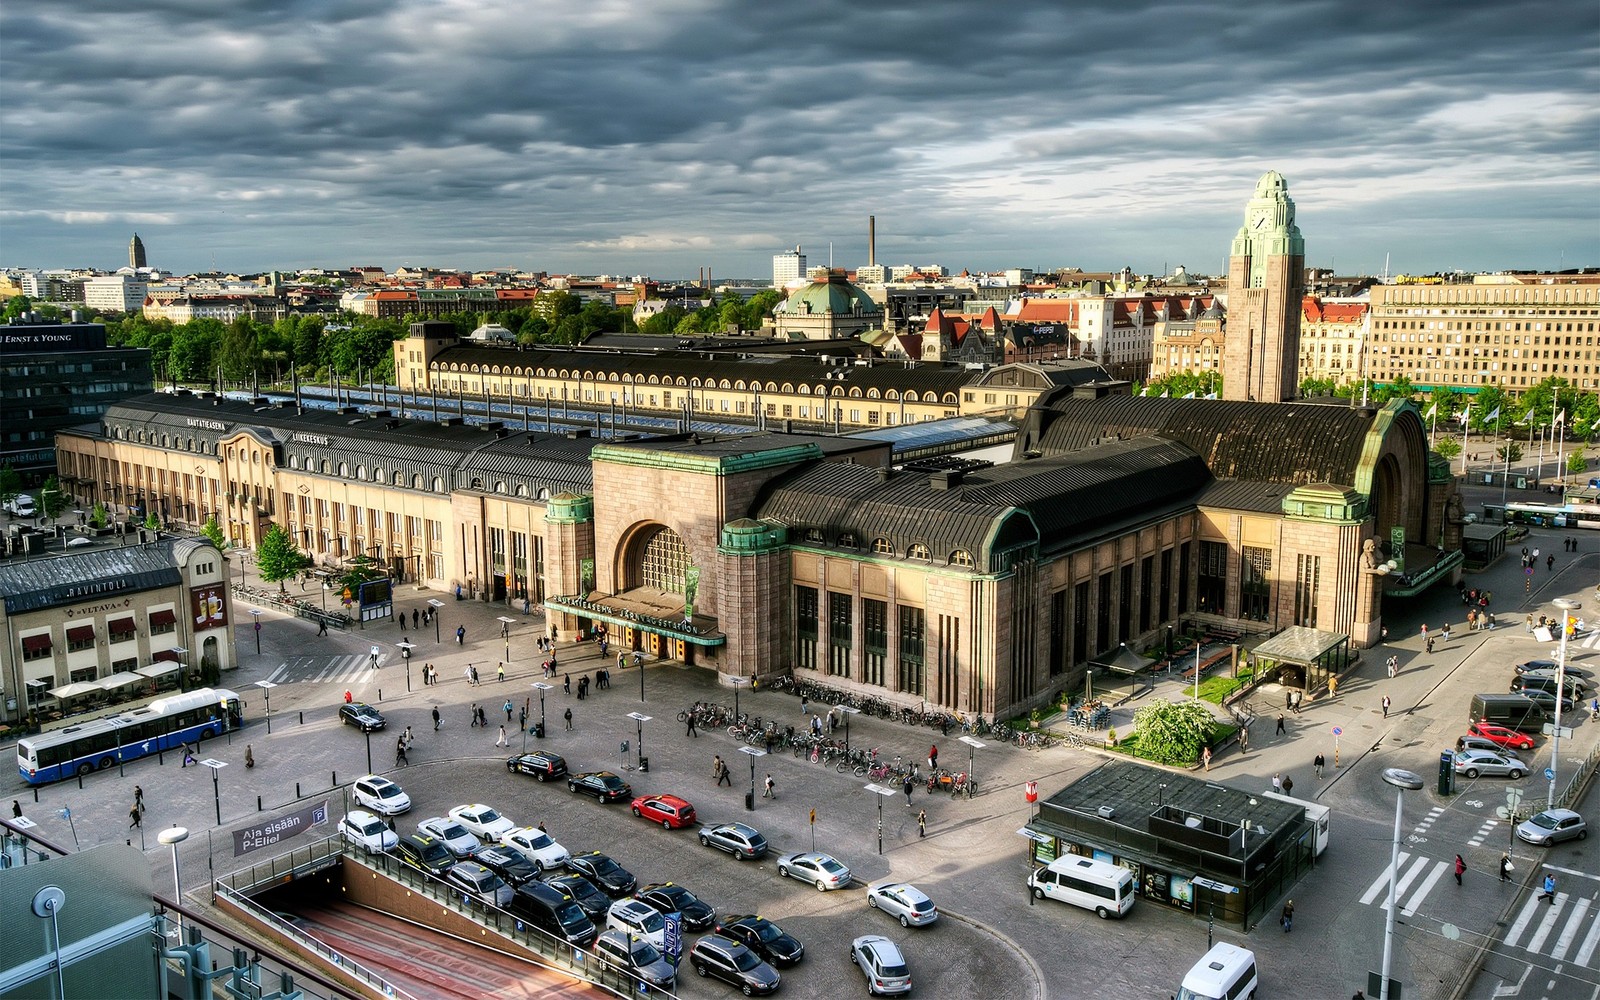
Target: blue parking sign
{"x": 672, "y": 938}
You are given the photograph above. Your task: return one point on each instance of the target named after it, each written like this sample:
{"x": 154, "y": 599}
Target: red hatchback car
{"x": 1501, "y": 736}
{"x": 668, "y": 810}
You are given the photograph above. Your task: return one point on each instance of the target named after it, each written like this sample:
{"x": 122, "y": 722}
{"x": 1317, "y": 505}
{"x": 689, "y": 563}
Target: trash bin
{"x": 538, "y": 730}
{"x": 644, "y": 765}
{"x": 1447, "y": 773}
{"x": 750, "y": 801}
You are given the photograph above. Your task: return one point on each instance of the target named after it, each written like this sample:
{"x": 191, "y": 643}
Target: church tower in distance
{"x": 1266, "y": 283}
{"x": 136, "y": 252}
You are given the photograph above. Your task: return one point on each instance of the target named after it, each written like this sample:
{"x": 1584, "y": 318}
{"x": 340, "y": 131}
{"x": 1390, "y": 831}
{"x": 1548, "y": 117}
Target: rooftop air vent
{"x": 1106, "y": 812}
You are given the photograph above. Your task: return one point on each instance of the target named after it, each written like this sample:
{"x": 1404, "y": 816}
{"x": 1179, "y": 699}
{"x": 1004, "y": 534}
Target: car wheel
{"x": 872, "y": 901}
{"x": 1582, "y": 834}
{"x": 702, "y": 970}
{"x": 666, "y": 824}
{"x": 1038, "y": 893}
{"x": 636, "y": 811}
{"x": 540, "y": 778}
{"x": 903, "y": 921}
{"x": 783, "y": 872}
{"x": 1102, "y": 913}
{"x": 705, "y": 841}
{"x": 572, "y": 786}
{"x": 748, "y": 991}
{"x": 822, "y": 886}
{"x": 1514, "y": 774}
{"x": 84, "y": 769}
{"x": 1471, "y": 772}
{"x": 600, "y": 797}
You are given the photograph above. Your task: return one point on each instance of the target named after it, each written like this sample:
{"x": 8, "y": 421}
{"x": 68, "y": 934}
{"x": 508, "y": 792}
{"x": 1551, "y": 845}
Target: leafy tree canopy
{"x": 277, "y": 559}
{"x": 1173, "y": 732}
{"x": 213, "y": 531}
{"x": 53, "y": 500}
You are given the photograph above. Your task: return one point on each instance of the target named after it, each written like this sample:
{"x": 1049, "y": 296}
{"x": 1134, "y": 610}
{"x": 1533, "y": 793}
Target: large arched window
{"x": 663, "y": 561}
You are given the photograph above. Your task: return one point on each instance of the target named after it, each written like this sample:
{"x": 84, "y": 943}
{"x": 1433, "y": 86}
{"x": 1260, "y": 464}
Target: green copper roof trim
{"x": 703, "y": 465}
{"x": 569, "y": 508}
{"x": 1372, "y": 447}
{"x": 1324, "y": 502}
{"x": 749, "y": 537}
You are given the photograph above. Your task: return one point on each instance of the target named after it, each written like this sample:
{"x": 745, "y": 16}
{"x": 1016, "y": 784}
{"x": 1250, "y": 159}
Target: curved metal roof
{"x": 1294, "y": 443}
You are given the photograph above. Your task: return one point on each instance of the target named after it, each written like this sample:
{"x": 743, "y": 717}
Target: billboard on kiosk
{"x": 376, "y": 599}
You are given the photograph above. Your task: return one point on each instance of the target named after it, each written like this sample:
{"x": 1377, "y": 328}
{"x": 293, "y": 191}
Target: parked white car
{"x": 381, "y": 795}
{"x": 455, "y": 837}
{"x": 639, "y": 919}
{"x": 367, "y": 832}
{"x": 536, "y": 845}
{"x": 483, "y": 822}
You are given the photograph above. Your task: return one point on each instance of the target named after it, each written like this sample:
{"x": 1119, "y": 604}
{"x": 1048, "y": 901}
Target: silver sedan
{"x": 1472, "y": 763}
{"x": 903, "y": 900}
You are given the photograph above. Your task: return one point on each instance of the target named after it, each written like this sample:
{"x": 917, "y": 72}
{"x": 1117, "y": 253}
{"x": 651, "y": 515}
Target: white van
{"x": 21, "y": 505}
{"x": 1227, "y": 972}
{"x": 1094, "y": 885}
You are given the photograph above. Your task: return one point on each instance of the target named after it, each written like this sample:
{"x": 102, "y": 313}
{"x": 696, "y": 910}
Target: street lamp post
{"x": 737, "y": 682}
{"x": 256, "y": 614}
{"x": 542, "y": 688}
{"x": 1566, "y": 607}
{"x": 505, "y": 633}
{"x": 973, "y": 745}
{"x": 216, "y": 788}
{"x": 266, "y": 692}
{"x": 644, "y": 763}
{"x": 753, "y": 752}
{"x": 882, "y": 793}
{"x": 405, "y": 657}
{"x": 848, "y": 711}
{"x": 435, "y": 604}
{"x": 1403, "y": 781}
{"x": 172, "y": 838}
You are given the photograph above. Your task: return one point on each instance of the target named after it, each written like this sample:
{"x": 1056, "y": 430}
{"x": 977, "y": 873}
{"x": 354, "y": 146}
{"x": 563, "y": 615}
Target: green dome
{"x": 830, "y": 296}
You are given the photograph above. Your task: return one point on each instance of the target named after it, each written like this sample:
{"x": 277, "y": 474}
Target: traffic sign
{"x": 1549, "y": 774}
{"x": 1337, "y": 731}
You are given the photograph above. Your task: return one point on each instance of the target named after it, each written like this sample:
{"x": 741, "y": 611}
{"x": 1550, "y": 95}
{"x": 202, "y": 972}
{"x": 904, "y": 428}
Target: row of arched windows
{"x": 881, "y": 545}
{"x": 733, "y": 385}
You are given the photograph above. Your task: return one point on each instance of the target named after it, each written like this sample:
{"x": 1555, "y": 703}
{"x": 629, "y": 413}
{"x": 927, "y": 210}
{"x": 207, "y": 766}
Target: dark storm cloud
{"x": 659, "y": 137}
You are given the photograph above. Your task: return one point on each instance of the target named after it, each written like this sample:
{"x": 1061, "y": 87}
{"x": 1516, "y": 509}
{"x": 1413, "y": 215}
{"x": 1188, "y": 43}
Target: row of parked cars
{"x": 1486, "y": 750}
{"x": 591, "y": 901}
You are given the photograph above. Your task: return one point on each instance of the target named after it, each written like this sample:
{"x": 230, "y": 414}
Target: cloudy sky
{"x": 660, "y": 137}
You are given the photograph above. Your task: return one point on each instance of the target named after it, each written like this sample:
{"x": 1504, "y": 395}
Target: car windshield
{"x": 374, "y": 828}
{"x": 389, "y": 791}
{"x": 538, "y": 841}
{"x": 581, "y": 889}
{"x": 1544, "y": 821}
{"x": 767, "y": 931}
{"x": 644, "y": 953}
{"x": 453, "y": 831}
{"x": 605, "y": 866}
{"x": 571, "y": 915}
{"x": 653, "y": 921}
{"x": 744, "y": 960}
{"x": 434, "y": 853}
{"x": 488, "y": 816}
{"x": 610, "y": 781}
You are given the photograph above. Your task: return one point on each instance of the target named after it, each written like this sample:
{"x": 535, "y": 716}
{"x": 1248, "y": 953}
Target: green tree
{"x": 239, "y": 350}
{"x": 1488, "y": 400}
{"x": 1173, "y": 733}
{"x": 1448, "y": 448}
{"x": 53, "y": 500}
{"x": 213, "y": 531}
{"x": 358, "y": 571}
{"x": 16, "y": 306}
{"x": 277, "y": 559}
{"x": 153, "y": 522}
{"x": 10, "y": 483}
{"x": 194, "y": 349}
{"x": 663, "y": 322}
{"x": 1577, "y": 464}
{"x": 97, "y": 516}
{"x": 1509, "y": 452}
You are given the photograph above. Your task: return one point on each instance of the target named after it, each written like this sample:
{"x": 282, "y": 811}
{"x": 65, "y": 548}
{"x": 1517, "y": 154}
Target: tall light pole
{"x": 172, "y": 838}
{"x": 882, "y": 793}
{"x": 644, "y": 763}
{"x": 1403, "y": 781}
{"x": 753, "y": 752}
{"x": 847, "y": 711}
{"x": 737, "y": 682}
{"x": 435, "y": 604}
{"x": 973, "y": 745}
{"x": 405, "y": 657}
{"x": 1567, "y": 607}
{"x": 542, "y": 688}
{"x": 505, "y": 633}
{"x": 216, "y": 788}
{"x": 256, "y": 614}
{"x": 266, "y": 692}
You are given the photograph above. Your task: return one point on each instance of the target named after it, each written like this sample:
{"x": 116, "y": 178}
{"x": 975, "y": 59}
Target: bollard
{"x": 297, "y": 789}
{"x": 380, "y": 694}
{"x": 258, "y": 803}
{"x": 335, "y": 780}
{"x": 302, "y": 717}
{"x": 36, "y": 794}
{"x": 80, "y": 780}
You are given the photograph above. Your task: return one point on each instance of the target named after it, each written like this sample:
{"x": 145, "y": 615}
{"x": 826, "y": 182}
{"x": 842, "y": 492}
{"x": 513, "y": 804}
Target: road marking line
{"x": 1423, "y": 890}
{"x": 1546, "y": 925}
{"x": 1382, "y": 881}
{"x": 1587, "y": 951}
{"x": 1528, "y": 910}
{"x": 276, "y": 677}
{"x": 1409, "y": 877}
{"x": 1572, "y": 871}
{"x": 1570, "y": 931}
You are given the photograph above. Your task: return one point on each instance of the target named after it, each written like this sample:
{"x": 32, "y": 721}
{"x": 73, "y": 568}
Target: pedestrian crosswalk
{"x": 1566, "y": 930}
{"x": 325, "y": 669}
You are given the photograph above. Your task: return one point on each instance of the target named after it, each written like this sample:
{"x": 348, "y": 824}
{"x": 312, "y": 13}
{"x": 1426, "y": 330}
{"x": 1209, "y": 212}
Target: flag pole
{"x": 1466, "y": 422}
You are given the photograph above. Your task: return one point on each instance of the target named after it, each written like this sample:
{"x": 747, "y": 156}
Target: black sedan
{"x": 507, "y": 864}
{"x": 763, "y": 937}
{"x": 613, "y": 879}
{"x": 603, "y": 785}
{"x": 669, "y": 897}
{"x": 541, "y": 764}
{"x": 363, "y": 716}
{"x": 594, "y": 903}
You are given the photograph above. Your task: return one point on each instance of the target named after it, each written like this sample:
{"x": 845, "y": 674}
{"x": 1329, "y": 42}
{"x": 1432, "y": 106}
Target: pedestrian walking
{"x": 569, "y": 720}
{"x": 1277, "y": 783}
{"x": 138, "y": 797}
{"x": 348, "y": 697}
{"x": 905, "y": 786}
{"x": 322, "y": 626}
{"x": 1288, "y": 785}
{"x": 1383, "y": 634}
{"x": 933, "y": 757}
{"x": 1287, "y": 919}
{"x": 1280, "y": 730}
{"x": 1529, "y": 621}
{"x": 522, "y": 717}
{"x": 413, "y": 619}
{"x": 922, "y": 822}
{"x": 1392, "y": 664}
{"x": 1505, "y": 866}
{"x": 473, "y": 713}
{"x": 1298, "y": 695}
{"x": 767, "y": 788}
{"x": 1333, "y": 684}
{"x": 483, "y": 717}
{"x": 501, "y": 740}
{"x": 133, "y": 814}
{"x": 400, "y": 752}
{"x": 1550, "y": 562}
{"x": 1424, "y": 630}
{"x": 1244, "y": 739}
{"x": 461, "y": 635}
{"x": 1385, "y": 706}
{"x": 16, "y": 809}
{"x": 1319, "y": 762}
{"x": 1461, "y": 866}
{"x": 1205, "y": 759}
{"x": 436, "y": 719}
{"x": 1549, "y": 889}
{"x": 566, "y": 683}
{"x": 500, "y": 672}
{"x": 188, "y": 757}
{"x": 508, "y": 706}
{"x": 1427, "y": 644}
{"x": 249, "y": 757}
{"x": 473, "y": 672}
{"x": 692, "y": 731}
{"x": 1444, "y": 633}
{"x": 804, "y": 702}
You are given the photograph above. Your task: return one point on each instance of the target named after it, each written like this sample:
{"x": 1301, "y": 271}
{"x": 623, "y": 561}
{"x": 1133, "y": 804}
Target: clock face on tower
{"x": 1260, "y": 221}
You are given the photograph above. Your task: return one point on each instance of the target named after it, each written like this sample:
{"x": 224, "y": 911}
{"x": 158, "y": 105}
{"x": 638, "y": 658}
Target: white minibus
{"x": 1094, "y": 885}
{"x": 1317, "y": 815}
{"x": 1227, "y": 972}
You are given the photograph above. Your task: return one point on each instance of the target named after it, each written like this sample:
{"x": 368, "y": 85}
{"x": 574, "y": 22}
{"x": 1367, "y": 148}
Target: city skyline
{"x": 660, "y": 139}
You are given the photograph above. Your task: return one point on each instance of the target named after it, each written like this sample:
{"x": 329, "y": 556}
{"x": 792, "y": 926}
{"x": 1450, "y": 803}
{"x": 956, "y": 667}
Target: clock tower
{"x": 1266, "y": 283}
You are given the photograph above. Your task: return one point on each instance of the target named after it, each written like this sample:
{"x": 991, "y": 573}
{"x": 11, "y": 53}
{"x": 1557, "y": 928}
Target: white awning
{"x": 120, "y": 679}
{"x": 157, "y": 669}
{"x": 75, "y": 689}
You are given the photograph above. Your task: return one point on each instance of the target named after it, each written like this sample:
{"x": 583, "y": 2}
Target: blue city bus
{"x": 96, "y": 744}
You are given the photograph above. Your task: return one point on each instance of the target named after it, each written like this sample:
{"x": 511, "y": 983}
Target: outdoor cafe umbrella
{"x": 74, "y": 689}
{"x": 119, "y": 679}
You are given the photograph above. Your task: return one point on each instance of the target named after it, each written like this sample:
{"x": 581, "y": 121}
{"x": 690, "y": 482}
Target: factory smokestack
{"x": 872, "y": 239}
